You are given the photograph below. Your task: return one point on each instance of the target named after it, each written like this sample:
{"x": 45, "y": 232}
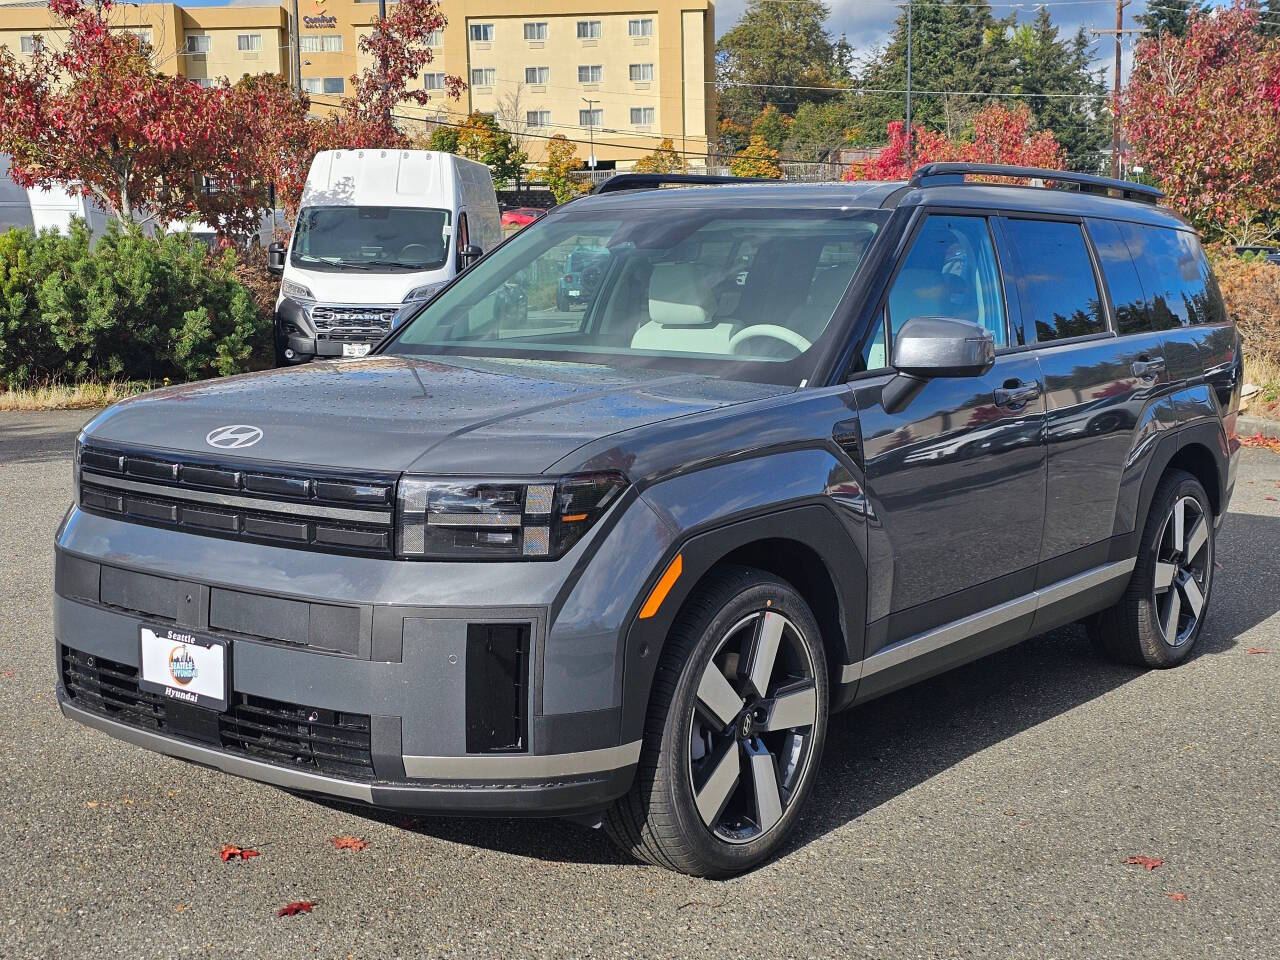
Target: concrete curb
{"x": 1252, "y": 426}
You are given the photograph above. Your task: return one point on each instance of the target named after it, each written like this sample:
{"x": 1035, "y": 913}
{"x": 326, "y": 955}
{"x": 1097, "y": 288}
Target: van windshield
{"x": 371, "y": 238}
{"x": 743, "y": 293}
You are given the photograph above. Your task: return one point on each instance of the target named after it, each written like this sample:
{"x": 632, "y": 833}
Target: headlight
{"x": 296, "y": 290}
{"x": 500, "y": 519}
{"x": 424, "y": 292}
{"x": 75, "y": 472}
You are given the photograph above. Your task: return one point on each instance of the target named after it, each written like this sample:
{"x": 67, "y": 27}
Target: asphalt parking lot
{"x": 986, "y": 813}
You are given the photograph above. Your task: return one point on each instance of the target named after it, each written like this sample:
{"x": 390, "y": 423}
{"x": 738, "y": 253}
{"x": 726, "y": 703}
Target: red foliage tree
{"x": 1202, "y": 112}
{"x": 98, "y": 117}
{"x": 1000, "y": 135}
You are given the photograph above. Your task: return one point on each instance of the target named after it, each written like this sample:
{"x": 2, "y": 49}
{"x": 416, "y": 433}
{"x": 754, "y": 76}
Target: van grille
{"x": 318, "y": 511}
{"x": 352, "y": 324}
{"x": 285, "y": 734}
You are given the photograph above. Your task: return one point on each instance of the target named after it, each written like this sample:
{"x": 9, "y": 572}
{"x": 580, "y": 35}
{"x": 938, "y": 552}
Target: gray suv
{"x": 620, "y": 557}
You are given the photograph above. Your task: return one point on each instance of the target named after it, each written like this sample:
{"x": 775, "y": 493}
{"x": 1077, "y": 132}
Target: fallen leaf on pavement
{"x": 298, "y": 906}
{"x": 1177, "y": 897}
{"x": 348, "y": 843}
{"x": 1149, "y": 862}
{"x": 1259, "y": 650}
{"x": 91, "y": 804}
{"x": 230, "y": 852}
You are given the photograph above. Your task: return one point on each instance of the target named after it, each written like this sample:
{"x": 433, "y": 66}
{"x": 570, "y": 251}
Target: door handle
{"x": 1015, "y": 394}
{"x": 1147, "y": 368}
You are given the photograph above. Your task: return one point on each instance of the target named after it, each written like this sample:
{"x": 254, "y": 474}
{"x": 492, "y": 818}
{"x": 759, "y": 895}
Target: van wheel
{"x": 734, "y": 732}
{"x": 1158, "y": 620}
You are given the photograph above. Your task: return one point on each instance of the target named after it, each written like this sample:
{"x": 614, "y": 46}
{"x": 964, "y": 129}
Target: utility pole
{"x": 911, "y": 139}
{"x": 1119, "y": 33}
{"x": 297, "y": 50}
{"x": 591, "y": 125}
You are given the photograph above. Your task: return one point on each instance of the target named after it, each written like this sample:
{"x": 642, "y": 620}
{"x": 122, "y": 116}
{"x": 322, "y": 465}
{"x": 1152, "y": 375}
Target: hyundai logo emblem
{"x": 233, "y": 436}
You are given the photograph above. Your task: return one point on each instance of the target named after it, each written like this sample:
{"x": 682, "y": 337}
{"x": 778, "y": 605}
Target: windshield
{"x": 371, "y": 238}
{"x": 739, "y": 291}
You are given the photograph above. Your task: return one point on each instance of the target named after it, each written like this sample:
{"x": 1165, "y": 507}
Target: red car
{"x": 521, "y": 216}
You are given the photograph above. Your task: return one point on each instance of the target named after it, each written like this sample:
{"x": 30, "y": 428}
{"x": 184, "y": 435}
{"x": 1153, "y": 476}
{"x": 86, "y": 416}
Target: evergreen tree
{"x": 1169, "y": 16}
{"x": 1044, "y": 64}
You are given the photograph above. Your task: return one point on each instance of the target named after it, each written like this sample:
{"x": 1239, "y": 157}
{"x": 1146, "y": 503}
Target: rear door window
{"x": 1179, "y": 285}
{"x": 1056, "y": 282}
{"x": 951, "y": 271}
{"x": 1128, "y": 296}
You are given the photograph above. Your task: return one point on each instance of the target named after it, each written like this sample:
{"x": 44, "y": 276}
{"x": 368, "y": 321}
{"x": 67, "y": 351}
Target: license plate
{"x": 355, "y": 349}
{"x": 184, "y": 666}
{"x": 575, "y": 293}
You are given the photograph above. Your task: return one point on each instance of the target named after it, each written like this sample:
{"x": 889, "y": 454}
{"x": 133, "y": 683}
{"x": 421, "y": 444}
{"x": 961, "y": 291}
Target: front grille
{"x": 285, "y": 734}
{"x": 352, "y": 324}
{"x": 321, "y": 511}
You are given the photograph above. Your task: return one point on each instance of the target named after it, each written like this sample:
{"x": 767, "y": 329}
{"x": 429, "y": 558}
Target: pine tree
{"x": 1169, "y": 16}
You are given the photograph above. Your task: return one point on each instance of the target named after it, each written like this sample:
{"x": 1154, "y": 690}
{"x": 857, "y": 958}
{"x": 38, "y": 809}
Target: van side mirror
{"x": 275, "y": 258}
{"x": 469, "y": 255}
{"x": 929, "y": 347}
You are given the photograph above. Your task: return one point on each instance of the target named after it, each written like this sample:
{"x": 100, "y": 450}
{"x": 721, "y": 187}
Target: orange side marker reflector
{"x": 576, "y": 518}
{"x": 662, "y": 588}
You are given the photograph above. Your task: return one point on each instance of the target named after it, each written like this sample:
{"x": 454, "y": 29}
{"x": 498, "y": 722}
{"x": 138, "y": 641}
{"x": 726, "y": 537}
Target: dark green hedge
{"x": 127, "y": 307}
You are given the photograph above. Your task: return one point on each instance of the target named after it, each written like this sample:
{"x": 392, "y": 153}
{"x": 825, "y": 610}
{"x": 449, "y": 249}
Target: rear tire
{"x": 1159, "y": 619}
{"x": 726, "y": 767}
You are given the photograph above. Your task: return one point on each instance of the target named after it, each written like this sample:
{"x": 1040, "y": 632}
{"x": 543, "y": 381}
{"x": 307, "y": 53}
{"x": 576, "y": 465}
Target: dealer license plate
{"x": 355, "y": 349}
{"x": 183, "y": 666}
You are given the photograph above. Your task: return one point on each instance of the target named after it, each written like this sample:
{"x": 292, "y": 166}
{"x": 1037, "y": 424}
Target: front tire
{"x": 1159, "y": 619}
{"x": 735, "y": 730}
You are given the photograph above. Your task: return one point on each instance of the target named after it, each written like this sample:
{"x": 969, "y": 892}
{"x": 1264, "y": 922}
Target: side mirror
{"x": 929, "y": 347}
{"x": 275, "y": 258}
{"x": 469, "y": 255}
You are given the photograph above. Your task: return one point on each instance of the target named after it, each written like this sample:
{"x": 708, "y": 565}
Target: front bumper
{"x": 379, "y": 640}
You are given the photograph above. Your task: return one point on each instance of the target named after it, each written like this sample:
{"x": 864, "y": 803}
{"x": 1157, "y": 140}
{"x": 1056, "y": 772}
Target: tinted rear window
{"x": 1179, "y": 285}
{"x": 1128, "y": 297}
{"x": 1056, "y": 285}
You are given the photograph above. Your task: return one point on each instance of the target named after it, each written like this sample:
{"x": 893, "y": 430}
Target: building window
{"x": 538, "y": 75}
{"x": 201, "y": 43}
{"x": 588, "y": 29}
{"x": 482, "y": 32}
{"x": 538, "y": 118}
{"x": 535, "y": 31}
{"x": 642, "y": 73}
{"x": 435, "y": 38}
{"x": 205, "y": 82}
{"x": 433, "y": 81}
{"x": 640, "y": 28}
{"x": 642, "y": 116}
{"x": 591, "y": 74}
{"x": 324, "y": 84}
{"x": 484, "y": 77}
{"x": 142, "y": 33}
{"x": 249, "y": 43}
{"x": 316, "y": 43}
{"x": 27, "y": 43}
{"x": 590, "y": 118}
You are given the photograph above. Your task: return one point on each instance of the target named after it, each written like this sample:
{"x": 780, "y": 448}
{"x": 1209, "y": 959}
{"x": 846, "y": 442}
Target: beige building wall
{"x": 668, "y": 95}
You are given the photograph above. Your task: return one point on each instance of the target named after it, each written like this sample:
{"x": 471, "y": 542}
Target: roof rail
{"x": 936, "y": 174}
{"x": 652, "y": 181}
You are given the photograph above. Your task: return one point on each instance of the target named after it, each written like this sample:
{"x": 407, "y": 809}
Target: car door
{"x": 1100, "y": 388}
{"x": 955, "y": 475}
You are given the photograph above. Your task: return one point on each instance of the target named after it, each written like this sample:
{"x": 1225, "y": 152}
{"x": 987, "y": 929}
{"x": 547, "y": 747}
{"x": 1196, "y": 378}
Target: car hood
{"x": 460, "y": 416}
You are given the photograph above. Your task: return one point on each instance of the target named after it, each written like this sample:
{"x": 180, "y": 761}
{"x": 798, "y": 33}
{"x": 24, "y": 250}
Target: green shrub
{"x": 132, "y": 307}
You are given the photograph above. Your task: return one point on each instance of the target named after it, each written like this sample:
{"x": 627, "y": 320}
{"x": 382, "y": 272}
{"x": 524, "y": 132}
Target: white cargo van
{"x": 43, "y": 209}
{"x": 378, "y": 232}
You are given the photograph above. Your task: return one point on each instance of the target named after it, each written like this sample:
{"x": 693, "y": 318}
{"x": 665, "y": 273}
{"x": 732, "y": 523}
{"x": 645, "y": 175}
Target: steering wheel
{"x": 770, "y": 331}
{"x": 414, "y": 253}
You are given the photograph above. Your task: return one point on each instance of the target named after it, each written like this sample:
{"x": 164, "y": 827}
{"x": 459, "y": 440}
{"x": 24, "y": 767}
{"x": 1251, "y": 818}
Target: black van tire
{"x": 1130, "y": 632}
{"x": 658, "y": 821}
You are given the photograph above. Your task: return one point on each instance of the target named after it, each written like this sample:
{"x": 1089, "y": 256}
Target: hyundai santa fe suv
{"x": 620, "y": 560}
